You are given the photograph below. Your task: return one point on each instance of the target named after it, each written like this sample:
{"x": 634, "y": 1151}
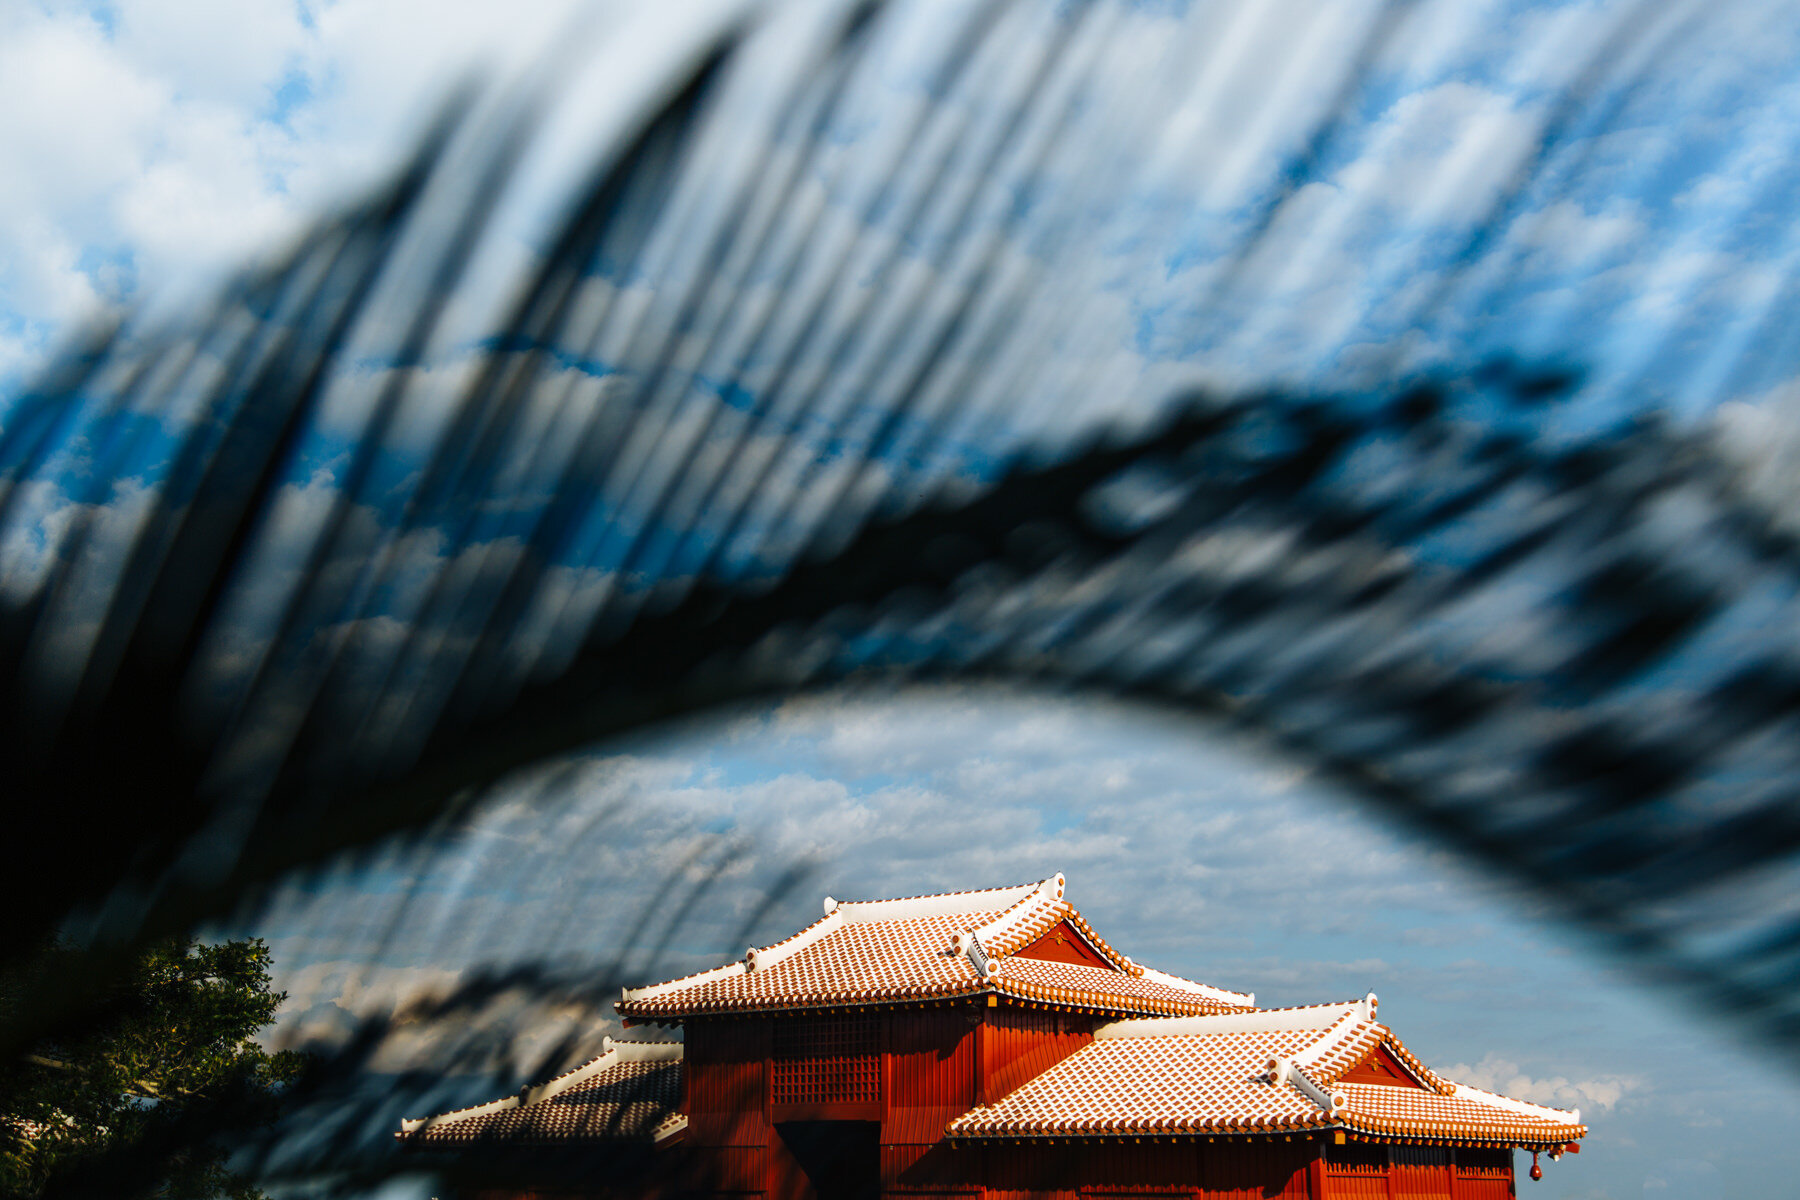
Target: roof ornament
{"x": 830, "y": 906}
{"x": 1334, "y": 1103}
{"x": 970, "y": 947}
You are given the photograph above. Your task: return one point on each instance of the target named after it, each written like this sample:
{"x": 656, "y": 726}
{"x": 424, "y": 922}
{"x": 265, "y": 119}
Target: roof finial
{"x": 830, "y": 906}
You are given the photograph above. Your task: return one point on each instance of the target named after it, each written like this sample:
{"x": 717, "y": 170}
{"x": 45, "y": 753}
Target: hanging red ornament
{"x": 1537, "y": 1172}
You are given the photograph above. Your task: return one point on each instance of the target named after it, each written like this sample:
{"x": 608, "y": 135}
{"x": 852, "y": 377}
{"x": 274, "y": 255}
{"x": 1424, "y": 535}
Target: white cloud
{"x": 1497, "y": 1074}
{"x": 158, "y": 130}
{"x": 1443, "y": 154}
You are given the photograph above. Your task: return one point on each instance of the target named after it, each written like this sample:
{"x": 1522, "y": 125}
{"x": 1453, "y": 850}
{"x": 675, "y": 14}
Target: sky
{"x": 151, "y": 146}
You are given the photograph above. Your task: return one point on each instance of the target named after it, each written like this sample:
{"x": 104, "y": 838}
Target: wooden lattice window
{"x": 831, "y": 1061}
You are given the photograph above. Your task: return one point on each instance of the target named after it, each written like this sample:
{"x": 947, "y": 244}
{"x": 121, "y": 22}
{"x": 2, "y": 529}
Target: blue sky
{"x": 152, "y": 145}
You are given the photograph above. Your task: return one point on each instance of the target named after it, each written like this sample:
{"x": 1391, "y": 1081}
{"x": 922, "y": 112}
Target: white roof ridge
{"x": 612, "y": 1054}
{"x": 1261, "y": 1020}
{"x": 1286, "y": 1070}
{"x": 669, "y": 1126}
{"x": 938, "y": 904}
{"x": 1355, "y": 1019}
{"x": 618, "y": 1052}
{"x": 1562, "y": 1116}
{"x": 1043, "y": 895}
{"x": 973, "y": 944}
{"x": 651, "y": 991}
{"x": 764, "y": 957}
{"x": 415, "y": 1124}
{"x": 1248, "y": 999}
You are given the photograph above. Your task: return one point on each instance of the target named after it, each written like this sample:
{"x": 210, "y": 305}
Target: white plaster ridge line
{"x": 1222, "y": 995}
{"x": 1561, "y": 1116}
{"x": 970, "y": 947}
{"x": 611, "y": 1055}
{"x": 857, "y": 912}
{"x": 460, "y": 1114}
{"x": 1334, "y": 1036}
{"x": 1333, "y": 1103}
{"x": 1035, "y": 905}
{"x": 556, "y": 1087}
{"x": 647, "y": 1051}
{"x": 615, "y": 1054}
{"x": 767, "y": 956}
{"x": 1318, "y": 1016}
{"x": 652, "y": 991}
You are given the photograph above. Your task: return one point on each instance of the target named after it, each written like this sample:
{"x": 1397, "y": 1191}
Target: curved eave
{"x": 907, "y": 998}
{"x": 1521, "y": 1136}
{"x": 1115, "y": 1129}
{"x": 1010, "y": 992}
{"x": 1303, "y": 1125}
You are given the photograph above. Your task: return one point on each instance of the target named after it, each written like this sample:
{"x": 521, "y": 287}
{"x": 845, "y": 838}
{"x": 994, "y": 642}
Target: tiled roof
{"x": 628, "y": 1093}
{"x": 927, "y": 948}
{"x": 1268, "y": 1071}
{"x": 1035, "y": 979}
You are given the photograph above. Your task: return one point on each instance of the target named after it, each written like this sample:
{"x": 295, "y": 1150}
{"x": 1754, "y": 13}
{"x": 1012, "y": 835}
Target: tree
{"x": 125, "y": 1088}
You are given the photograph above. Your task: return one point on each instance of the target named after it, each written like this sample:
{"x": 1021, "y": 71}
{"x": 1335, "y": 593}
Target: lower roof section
{"x": 1264, "y": 1072}
{"x": 630, "y": 1093}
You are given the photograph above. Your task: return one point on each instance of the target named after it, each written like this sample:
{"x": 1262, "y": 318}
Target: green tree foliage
{"x": 123, "y": 1091}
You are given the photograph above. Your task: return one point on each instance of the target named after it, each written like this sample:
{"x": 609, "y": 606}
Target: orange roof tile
{"x": 1268, "y": 1071}
{"x": 926, "y": 948}
{"x": 628, "y": 1093}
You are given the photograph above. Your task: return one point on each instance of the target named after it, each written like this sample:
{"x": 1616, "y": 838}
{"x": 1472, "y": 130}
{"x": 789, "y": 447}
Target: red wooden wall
{"x": 1017, "y": 1045}
{"x": 1062, "y": 944}
{"x": 768, "y": 1098}
{"x": 1380, "y": 1067}
{"x": 1361, "y": 1171}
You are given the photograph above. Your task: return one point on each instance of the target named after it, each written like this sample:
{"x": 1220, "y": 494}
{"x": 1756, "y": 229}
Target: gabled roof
{"x": 628, "y": 1094}
{"x": 931, "y": 948}
{"x": 1270, "y": 1071}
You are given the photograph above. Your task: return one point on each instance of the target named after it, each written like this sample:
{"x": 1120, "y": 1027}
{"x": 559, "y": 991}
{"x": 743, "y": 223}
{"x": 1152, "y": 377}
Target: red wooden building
{"x": 991, "y": 1046}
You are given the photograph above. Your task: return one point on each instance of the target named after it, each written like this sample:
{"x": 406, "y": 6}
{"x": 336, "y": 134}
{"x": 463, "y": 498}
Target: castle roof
{"x": 935, "y": 948}
{"x": 1171, "y": 1058}
{"x": 628, "y": 1094}
{"x": 1269, "y": 1071}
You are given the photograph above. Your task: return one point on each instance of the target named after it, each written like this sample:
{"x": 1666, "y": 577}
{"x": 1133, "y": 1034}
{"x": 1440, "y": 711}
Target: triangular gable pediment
{"x": 1061, "y": 943}
{"x": 1381, "y": 1066}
